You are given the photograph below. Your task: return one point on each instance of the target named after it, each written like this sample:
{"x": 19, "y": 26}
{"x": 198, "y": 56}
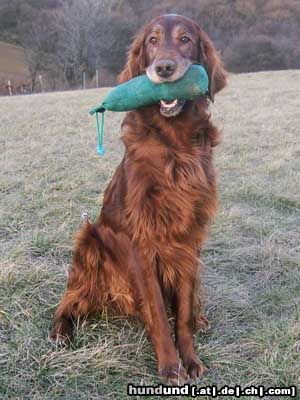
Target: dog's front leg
{"x": 153, "y": 313}
{"x": 185, "y": 326}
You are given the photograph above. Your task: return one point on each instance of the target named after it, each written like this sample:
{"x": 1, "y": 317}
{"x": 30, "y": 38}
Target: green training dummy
{"x": 141, "y": 91}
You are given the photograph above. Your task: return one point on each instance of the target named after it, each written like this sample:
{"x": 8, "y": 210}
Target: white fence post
{"x": 9, "y": 88}
{"x": 97, "y": 79}
{"x": 41, "y": 83}
{"x": 83, "y": 80}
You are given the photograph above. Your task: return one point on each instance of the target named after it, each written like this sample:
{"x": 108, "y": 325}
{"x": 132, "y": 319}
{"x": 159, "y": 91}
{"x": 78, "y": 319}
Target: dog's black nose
{"x": 165, "y": 68}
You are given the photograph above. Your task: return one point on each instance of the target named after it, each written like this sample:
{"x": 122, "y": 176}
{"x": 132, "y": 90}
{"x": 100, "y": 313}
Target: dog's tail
{"x": 84, "y": 294}
{"x": 88, "y": 250}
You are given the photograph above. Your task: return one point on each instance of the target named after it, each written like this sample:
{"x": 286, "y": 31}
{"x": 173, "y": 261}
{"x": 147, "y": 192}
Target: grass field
{"x": 50, "y": 173}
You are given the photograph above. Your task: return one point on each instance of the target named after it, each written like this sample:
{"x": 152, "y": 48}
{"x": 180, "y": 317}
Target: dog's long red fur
{"x": 143, "y": 251}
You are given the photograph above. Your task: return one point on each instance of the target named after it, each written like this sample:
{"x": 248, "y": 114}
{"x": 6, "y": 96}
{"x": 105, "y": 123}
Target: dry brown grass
{"x": 50, "y": 173}
{"x": 13, "y": 68}
{"x": 13, "y": 63}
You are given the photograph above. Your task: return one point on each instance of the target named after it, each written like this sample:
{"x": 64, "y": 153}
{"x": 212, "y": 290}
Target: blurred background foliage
{"x": 64, "y": 38}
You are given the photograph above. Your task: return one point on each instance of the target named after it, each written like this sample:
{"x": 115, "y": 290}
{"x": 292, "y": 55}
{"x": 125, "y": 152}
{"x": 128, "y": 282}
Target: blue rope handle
{"x": 100, "y": 149}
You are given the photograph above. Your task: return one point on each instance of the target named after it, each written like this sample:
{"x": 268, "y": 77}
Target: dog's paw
{"x": 174, "y": 374}
{"x": 202, "y": 323}
{"x": 194, "y": 367}
{"x": 62, "y": 333}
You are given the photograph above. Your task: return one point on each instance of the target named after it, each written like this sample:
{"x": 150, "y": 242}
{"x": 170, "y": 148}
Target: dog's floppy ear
{"x": 136, "y": 60}
{"x": 212, "y": 61}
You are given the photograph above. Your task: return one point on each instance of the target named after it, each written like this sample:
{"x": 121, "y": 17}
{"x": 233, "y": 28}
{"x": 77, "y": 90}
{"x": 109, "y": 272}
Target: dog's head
{"x": 165, "y": 49}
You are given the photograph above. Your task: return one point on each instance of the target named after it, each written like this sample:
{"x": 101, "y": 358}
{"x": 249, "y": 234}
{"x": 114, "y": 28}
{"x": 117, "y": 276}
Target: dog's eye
{"x": 184, "y": 39}
{"x": 153, "y": 40}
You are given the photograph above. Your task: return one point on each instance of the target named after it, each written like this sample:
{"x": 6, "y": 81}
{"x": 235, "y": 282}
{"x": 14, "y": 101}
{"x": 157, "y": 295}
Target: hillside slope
{"x": 50, "y": 173}
{"x": 13, "y": 61}
{"x": 13, "y": 68}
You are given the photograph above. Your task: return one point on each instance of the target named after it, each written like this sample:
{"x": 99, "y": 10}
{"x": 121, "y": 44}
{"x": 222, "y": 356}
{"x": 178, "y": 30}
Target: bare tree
{"x": 94, "y": 35}
{"x": 39, "y": 38}
{"x": 79, "y": 21}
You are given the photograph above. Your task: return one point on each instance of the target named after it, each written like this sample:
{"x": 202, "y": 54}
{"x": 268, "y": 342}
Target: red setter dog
{"x": 142, "y": 254}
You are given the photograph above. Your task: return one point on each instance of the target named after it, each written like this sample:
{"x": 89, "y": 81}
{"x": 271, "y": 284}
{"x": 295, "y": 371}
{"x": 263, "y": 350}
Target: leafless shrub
{"x": 255, "y": 54}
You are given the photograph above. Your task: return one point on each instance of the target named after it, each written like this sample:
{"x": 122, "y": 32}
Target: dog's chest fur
{"x": 171, "y": 190}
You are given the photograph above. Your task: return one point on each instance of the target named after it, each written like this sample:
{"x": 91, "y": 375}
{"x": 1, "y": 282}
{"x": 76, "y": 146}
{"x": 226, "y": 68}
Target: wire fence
{"x": 20, "y": 86}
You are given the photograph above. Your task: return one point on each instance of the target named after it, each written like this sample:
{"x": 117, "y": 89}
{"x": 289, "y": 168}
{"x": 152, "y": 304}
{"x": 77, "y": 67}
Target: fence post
{"x": 41, "y": 83}
{"x": 9, "y": 88}
{"x": 83, "y": 80}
